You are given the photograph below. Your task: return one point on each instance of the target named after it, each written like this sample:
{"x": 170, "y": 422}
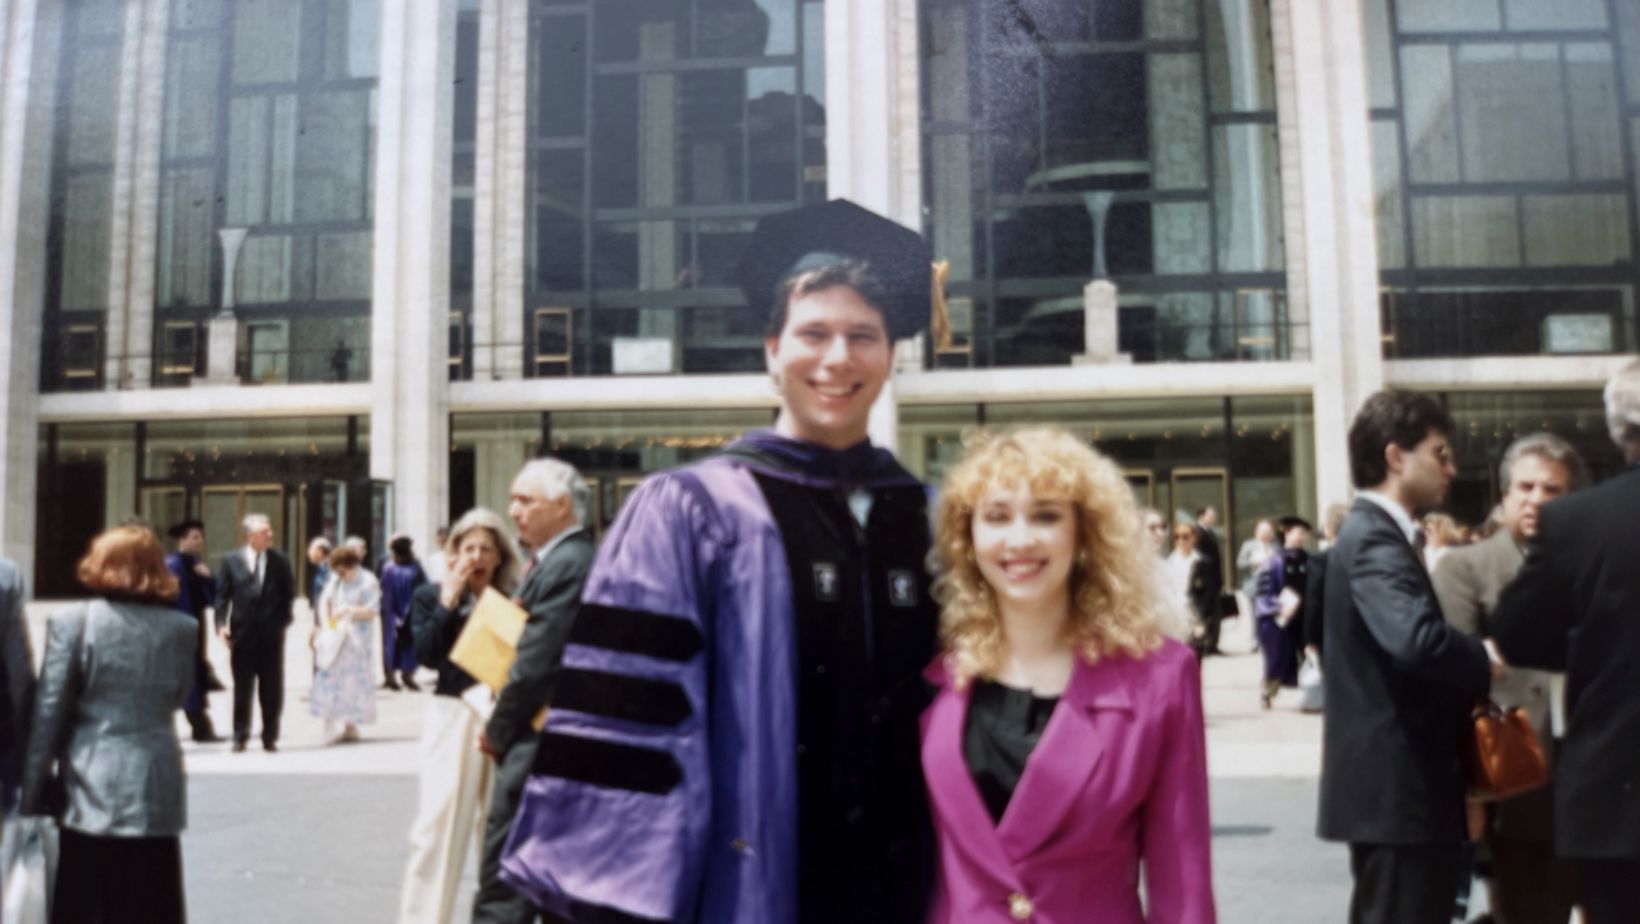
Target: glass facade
{"x": 1504, "y": 139}
{"x": 82, "y": 178}
{"x": 1133, "y": 140}
{"x": 266, "y": 149}
{"x": 658, "y": 134}
{"x": 267, "y": 170}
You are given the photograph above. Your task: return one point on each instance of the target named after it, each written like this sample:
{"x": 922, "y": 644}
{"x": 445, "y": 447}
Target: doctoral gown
{"x": 734, "y": 736}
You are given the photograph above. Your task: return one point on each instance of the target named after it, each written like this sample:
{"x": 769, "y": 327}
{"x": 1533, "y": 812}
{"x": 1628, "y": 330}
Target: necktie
{"x": 259, "y": 569}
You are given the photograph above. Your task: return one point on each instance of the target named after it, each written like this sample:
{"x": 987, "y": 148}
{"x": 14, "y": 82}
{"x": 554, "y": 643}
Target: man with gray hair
{"x": 254, "y": 590}
{"x": 1576, "y": 608}
{"x": 1529, "y": 883}
{"x": 548, "y": 504}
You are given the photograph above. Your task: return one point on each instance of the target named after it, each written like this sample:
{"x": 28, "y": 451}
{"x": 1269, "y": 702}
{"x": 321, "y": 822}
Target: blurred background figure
{"x": 1278, "y": 607}
{"x": 1441, "y": 535}
{"x": 1175, "y": 615}
{"x": 1186, "y": 570}
{"x": 1576, "y": 608}
{"x": 435, "y": 563}
{"x": 455, "y": 775}
{"x": 16, "y": 683}
{"x": 196, "y": 589}
{"x": 1254, "y": 552}
{"x": 1529, "y": 884}
{"x": 318, "y": 555}
{"x": 399, "y": 580}
{"x": 344, "y": 695}
{"x": 1315, "y": 584}
{"x": 1212, "y": 576}
{"x": 116, "y": 670}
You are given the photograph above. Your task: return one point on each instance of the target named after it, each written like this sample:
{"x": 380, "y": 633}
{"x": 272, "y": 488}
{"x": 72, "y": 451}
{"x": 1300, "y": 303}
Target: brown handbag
{"x": 1506, "y": 758}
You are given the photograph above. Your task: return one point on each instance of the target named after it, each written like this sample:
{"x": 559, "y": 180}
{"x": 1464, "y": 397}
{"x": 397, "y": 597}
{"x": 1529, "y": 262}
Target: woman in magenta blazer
{"x": 1064, "y": 752}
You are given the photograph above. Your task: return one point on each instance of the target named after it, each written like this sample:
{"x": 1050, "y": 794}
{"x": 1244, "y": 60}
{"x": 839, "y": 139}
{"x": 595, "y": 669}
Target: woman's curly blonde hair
{"x": 1114, "y": 597}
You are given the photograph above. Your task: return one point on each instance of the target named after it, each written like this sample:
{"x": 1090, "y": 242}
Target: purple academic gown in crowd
{"x": 399, "y": 583}
{"x": 195, "y": 593}
{"x": 693, "y": 589}
{"x": 1274, "y": 642}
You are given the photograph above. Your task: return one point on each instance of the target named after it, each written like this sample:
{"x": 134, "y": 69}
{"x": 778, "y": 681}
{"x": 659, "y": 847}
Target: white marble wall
{"x": 410, "y": 294}
{"x": 1336, "y": 276}
{"x": 27, "y": 84}
{"x": 498, "y": 194}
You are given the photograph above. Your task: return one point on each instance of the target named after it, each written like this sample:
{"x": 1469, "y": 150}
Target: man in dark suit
{"x": 254, "y": 591}
{"x": 1576, "y": 608}
{"x": 1529, "y": 884}
{"x": 1207, "y": 546}
{"x": 1400, "y": 681}
{"x": 548, "y": 504}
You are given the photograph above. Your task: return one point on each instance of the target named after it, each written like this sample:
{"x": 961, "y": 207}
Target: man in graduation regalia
{"x": 734, "y": 735}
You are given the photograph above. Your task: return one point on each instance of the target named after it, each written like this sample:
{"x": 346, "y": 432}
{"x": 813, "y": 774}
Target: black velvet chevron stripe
{"x": 631, "y": 699}
{"x": 607, "y": 764}
{"x": 668, "y": 638}
{"x": 598, "y": 914}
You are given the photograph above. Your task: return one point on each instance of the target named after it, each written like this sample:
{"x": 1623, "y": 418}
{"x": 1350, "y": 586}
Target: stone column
{"x": 499, "y": 189}
{"x": 140, "y": 202}
{"x": 1333, "y": 272}
{"x": 28, "y": 74}
{"x": 410, "y": 289}
{"x": 873, "y": 130}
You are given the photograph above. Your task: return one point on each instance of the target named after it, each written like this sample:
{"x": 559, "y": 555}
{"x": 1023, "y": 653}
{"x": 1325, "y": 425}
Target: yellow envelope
{"x": 488, "y": 645}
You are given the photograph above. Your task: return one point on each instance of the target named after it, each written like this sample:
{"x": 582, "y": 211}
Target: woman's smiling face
{"x": 1025, "y": 545}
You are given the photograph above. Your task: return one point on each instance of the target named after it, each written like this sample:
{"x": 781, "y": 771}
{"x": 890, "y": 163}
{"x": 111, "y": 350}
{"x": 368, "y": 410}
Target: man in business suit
{"x": 1576, "y": 608}
{"x": 1400, "y": 681}
{"x": 254, "y": 591}
{"x": 1529, "y": 885}
{"x": 1207, "y": 546}
{"x": 548, "y": 504}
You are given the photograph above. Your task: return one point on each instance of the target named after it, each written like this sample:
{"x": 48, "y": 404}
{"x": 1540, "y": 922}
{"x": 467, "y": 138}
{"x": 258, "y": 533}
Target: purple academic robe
{"x": 664, "y": 818}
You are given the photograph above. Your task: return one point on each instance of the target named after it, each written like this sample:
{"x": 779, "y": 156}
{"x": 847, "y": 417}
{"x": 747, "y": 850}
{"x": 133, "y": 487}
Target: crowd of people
{"x": 793, "y": 684}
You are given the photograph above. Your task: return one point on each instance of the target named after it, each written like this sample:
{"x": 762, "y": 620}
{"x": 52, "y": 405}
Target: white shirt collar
{"x": 1397, "y": 512}
{"x": 553, "y": 544}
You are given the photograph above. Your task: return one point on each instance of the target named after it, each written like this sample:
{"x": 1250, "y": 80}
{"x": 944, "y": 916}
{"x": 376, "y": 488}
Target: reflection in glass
{"x": 1069, "y": 141}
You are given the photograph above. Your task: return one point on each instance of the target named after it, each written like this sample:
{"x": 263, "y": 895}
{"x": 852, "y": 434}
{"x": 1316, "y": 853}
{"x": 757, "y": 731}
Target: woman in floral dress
{"x": 344, "y": 692}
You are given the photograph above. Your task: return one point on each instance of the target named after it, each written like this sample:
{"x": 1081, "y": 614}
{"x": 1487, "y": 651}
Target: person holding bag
{"x": 344, "y": 693}
{"x": 116, "y": 671}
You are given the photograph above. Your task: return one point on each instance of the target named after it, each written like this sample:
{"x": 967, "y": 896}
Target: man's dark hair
{"x": 855, "y": 274}
{"x": 1390, "y": 416}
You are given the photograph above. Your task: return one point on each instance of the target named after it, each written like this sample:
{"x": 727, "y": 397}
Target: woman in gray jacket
{"x": 116, "y": 671}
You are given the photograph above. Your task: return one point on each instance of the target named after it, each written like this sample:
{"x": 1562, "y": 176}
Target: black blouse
{"x": 1002, "y": 728}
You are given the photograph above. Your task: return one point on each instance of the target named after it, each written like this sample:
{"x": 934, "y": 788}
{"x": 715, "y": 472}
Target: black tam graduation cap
{"x": 181, "y": 529}
{"x": 1291, "y": 522}
{"x": 825, "y": 235}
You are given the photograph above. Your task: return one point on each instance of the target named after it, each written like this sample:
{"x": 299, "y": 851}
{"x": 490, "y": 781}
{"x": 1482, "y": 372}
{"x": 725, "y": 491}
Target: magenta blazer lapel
{"x": 951, "y": 789}
{"x": 1055, "y": 776}
{"x": 1064, "y": 760}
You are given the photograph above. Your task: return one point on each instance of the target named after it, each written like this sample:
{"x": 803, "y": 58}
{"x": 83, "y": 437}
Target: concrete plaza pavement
{"x": 316, "y": 834}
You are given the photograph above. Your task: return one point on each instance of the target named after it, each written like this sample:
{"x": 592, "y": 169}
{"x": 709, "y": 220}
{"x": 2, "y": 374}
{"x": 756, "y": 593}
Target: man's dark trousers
{"x": 259, "y": 671}
{"x": 1403, "y": 884}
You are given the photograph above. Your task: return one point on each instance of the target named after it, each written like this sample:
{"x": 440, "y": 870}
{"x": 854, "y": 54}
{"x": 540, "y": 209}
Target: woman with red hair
{"x": 116, "y": 671}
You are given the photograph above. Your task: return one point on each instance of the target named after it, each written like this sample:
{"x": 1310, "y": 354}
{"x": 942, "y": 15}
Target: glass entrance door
{"x": 224, "y": 508}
